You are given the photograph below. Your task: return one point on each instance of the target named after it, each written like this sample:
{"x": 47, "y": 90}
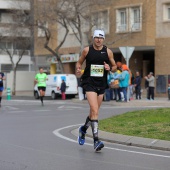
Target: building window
{"x": 100, "y": 20}
{"x": 135, "y": 19}
{"x": 41, "y": 31}
{"x": 128, "y": 19}
{"x": 121, "y": 20}
{"x": 166, "y": 12}
{"x": 169, "y": 13}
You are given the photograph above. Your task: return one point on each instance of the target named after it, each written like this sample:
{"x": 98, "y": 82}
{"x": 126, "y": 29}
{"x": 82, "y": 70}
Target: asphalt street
{"x": 33, "y": 137}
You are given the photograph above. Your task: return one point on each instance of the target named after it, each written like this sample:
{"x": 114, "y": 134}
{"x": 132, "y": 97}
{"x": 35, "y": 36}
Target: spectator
{"x": 112, "y": 77}
{"x": 168, "y": 91}
{"x": 131, "y": 86}
{"x": 63, "y": 90}
{"x": 147, "y": 88}
{"x": 151, "y": 79}
{"x": 137, "y": 84}
{"x": 124, "y": 81}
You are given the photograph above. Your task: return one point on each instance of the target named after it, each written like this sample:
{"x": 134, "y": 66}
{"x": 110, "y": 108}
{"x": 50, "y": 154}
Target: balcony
{"x": 16, "y": 52}
{"x": 14, "y": 4}
{"x": 19, "y": 32}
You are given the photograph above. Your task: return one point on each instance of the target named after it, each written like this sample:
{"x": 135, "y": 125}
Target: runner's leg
{"x": 41, "y": 95}
{"x": 94, "y": 102}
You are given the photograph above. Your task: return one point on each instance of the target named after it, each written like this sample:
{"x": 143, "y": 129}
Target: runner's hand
{"x": 78, "y": 71}
{"x": 106, "y": 66}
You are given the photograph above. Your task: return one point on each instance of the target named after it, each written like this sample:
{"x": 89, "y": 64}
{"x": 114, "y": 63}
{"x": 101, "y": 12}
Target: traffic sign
{"x": 127, "y": 53}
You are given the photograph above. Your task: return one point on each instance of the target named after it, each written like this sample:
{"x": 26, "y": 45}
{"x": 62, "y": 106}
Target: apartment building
{"x": 126, "y": 23}
{"x": 141, "y": 24}
{"x": 162, "y": 41}
{"x": 8, "y": 19}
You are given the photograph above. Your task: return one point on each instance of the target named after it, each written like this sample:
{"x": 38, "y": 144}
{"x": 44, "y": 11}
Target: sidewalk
{"x": 129, "y": 140}
{"x": 158, "y": 102}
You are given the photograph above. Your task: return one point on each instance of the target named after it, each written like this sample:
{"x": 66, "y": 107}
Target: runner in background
{"x": 40, "y": 79}
{"x": 2, "y": 77}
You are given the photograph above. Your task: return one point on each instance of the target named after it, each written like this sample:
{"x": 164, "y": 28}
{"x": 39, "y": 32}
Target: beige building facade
{"x": 143, "y": 24}
{"x": 129, "y": 23}
{"x": 162, "y": 42}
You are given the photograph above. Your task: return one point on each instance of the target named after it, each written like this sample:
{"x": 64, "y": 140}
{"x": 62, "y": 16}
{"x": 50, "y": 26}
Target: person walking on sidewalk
{"x": 137, "y": 84}
{"x": 63, "y": 90}
{"x": 94, "y": 81}
{"x": 151, "y": 79}
{"x": 2, "y": 77}
{"x": 40, "y": 79}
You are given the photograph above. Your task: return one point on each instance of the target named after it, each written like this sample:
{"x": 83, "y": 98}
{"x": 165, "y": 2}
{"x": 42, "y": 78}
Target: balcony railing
{"x": 122, "y": 28}
{"x": 136, "y": 26}
{"x": 14, "y": 4}
{"x": 18, "y": 32}
{"x": 16, "y": 52}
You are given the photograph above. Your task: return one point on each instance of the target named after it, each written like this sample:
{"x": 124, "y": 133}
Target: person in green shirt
{"x": 40, "y": 79}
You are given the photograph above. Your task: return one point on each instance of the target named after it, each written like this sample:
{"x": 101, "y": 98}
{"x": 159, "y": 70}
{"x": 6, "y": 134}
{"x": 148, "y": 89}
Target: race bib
{"x": 97, "y": 70}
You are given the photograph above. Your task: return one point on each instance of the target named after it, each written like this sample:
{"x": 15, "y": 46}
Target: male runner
{"x": 2, "y": 77}
{"x": 99, "y": 60}
{"x": 40, "y": 79}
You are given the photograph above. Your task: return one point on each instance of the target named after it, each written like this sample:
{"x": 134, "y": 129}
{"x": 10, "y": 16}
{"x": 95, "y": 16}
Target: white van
{"x": 53, "y": 85}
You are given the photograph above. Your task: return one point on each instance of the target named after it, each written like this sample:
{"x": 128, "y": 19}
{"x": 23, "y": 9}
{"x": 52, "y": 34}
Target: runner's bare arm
{"x": 3, "y": 78}
{"x": 111, "y": 59}
{"x": 81, "y": 60}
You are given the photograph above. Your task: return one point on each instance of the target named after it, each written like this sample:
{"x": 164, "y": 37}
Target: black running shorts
{"x": 42, "y": 88}
{"x": 91, "y": 88}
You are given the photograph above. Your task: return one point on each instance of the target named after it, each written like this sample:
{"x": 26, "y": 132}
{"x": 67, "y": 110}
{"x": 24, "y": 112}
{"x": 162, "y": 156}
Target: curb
{"x": 129, "y": 140}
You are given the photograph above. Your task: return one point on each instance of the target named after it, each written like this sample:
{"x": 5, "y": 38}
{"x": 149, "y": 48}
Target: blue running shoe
{"x": 81, "y": 137}
{"x": 98, "y": 145}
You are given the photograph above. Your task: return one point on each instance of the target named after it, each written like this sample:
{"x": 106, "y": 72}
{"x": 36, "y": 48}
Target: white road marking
{"x": 60, "y": 107}
{"x": 10, "y": 108}
{"x": 17, "y": 111}
{"x": 69, "y": 107}
{"x": 154, "y": 142}
{"x": 41, "y": 110}
{"x": 58, "y": 134}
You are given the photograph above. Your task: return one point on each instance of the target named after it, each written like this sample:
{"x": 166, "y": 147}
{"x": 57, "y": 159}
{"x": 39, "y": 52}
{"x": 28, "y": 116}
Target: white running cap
{"x": 99, "y": 33}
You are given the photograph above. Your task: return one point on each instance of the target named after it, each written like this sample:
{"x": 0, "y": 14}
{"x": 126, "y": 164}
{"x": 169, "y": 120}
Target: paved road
{"x": 33, "y": 137}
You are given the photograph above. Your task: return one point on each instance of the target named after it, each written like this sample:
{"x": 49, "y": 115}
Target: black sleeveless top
{"x": 93, "y": 58}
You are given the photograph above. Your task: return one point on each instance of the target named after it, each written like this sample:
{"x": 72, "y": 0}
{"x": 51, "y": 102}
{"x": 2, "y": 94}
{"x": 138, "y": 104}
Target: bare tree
{"x": 69, "y": 15}
{"x": 80, "y": 19}
{"x": 48, "y": 21}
